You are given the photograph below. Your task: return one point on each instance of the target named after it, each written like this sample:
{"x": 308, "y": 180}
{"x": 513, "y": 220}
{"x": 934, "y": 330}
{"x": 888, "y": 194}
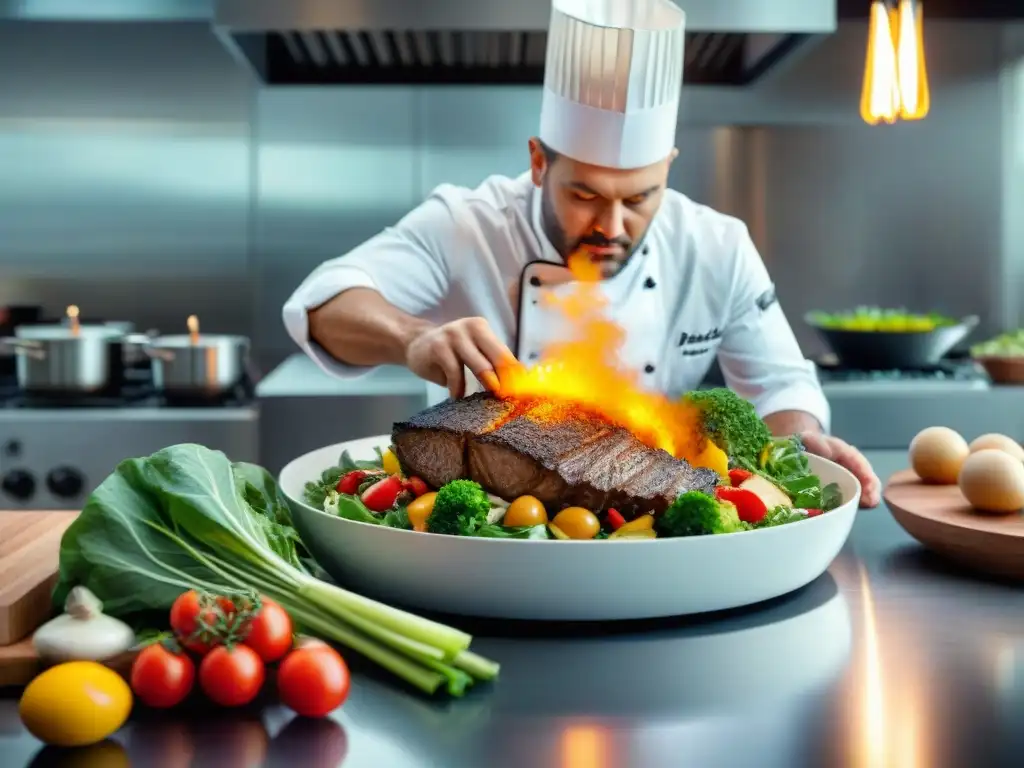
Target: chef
{"x": 454, "y": 287}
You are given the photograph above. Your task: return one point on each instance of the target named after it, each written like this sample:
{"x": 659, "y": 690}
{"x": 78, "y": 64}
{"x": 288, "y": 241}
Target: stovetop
{"x": 946, "y": 375}
{"x": 137, "y": 391}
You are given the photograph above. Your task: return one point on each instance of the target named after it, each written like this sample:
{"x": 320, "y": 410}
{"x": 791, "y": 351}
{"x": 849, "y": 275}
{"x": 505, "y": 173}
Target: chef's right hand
{"x": 442, "y": 353}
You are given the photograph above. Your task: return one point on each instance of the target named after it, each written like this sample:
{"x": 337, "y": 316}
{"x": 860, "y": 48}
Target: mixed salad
{"x": 764, "y": 482}
{"x": 880, "y": 320}
{"x": 1010, "y": 344}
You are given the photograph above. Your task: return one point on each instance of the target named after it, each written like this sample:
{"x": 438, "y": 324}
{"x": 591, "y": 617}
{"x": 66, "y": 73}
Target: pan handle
{"x": 24, "y": 347}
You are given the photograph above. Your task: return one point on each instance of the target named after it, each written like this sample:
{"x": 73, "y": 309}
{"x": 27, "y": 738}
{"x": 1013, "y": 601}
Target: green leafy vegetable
{"x": 315, "y": 493}
{"x": 182, "y": 519}
{"x": 491, "y": 531}
{"x": 460, "y": 509}
{"x": 785, "y": 463}
{"x": 697, "y": 514}
{"x": 731, "y": 423}
{"x": 780, "y": 516}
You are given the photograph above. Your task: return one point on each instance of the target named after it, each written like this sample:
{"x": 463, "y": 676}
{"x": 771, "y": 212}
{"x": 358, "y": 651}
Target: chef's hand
{"x": 442, "y": 353}
{"x": 845, "y": 455}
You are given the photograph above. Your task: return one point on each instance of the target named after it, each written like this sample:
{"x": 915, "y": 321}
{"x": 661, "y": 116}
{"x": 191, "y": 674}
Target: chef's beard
{"x": 556, "y": 234}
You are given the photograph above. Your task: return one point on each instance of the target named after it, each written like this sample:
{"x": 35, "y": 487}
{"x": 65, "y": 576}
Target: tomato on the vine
{"x": 270, "y": 631}
{"x": 162, "y": 677}
{"x": 189, "y": 611}
{"x": 313, "y": 680}
{"x": 231, "y": 677}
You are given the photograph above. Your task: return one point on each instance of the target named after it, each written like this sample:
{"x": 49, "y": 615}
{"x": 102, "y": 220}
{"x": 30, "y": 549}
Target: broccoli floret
{"x": 697, "y": 514}
{"x": 731, "y": 423}
{"x": 460, "y": 508}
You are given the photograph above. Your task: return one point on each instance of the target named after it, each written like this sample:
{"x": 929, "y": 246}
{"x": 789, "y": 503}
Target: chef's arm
{"x": 360, "y": 328}
{"x": 359, "y": 310}
{"x": 791, "y": 422}
{"x": 760, "y": 356}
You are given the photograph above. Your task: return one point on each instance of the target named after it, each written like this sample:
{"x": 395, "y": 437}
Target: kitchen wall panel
{"x": 335, "y": 166}
{"x": 124, "y": 172}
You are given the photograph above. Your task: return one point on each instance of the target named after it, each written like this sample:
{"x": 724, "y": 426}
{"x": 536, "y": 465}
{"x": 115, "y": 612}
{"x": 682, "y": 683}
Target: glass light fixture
{"x": 895, "y": 78}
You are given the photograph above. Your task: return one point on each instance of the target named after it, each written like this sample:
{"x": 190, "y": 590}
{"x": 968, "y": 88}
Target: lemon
{"x": 75, "y": 704}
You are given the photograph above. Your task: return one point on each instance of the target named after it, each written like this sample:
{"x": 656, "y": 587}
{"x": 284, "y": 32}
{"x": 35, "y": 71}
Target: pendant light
{"x": 895, "y": 78}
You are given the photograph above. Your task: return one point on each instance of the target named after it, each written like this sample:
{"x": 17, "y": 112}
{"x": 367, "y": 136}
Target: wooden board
{"x": 29, "y": 550}
{"x": 19, "y": 663}
{"x": 940, "y": 518}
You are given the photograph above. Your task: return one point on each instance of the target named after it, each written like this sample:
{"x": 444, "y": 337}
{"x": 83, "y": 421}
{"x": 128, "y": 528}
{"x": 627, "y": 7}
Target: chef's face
{"x": 603, "y": 211}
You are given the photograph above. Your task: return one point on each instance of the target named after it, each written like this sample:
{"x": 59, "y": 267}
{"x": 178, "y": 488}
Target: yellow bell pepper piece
{"x": 390, "y": 462}
{"x": 713, "y": 457}
{"x": 419, "y": 510}
{"x": 646, "y": 533}
{"x": 557, "y": 532}
{"x": 643, "y": 523}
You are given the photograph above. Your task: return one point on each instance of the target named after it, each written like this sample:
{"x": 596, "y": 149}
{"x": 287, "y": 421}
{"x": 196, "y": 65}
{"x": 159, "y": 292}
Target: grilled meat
{"x": 578, "y": 460}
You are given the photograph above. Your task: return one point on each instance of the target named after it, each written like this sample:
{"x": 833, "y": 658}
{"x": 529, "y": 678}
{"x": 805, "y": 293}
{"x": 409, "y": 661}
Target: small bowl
{"x": 1003, "y": 370}
{"x": 566, "y": 580}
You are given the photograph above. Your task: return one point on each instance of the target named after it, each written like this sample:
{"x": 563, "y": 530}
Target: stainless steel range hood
{"x": 335, "y": 42}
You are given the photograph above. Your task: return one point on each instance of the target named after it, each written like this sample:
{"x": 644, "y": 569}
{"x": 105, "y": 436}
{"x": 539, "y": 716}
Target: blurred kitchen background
{"x": 148, "y": 173}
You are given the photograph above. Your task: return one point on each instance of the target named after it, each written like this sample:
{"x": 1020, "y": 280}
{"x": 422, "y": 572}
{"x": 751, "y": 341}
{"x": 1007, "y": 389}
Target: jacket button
{"x": 649, "y": 282}
{"x": 533, "y": 356}
{"x": 646, "y": 250}
{"x": 648, "y": 368}
{"x": 535, "y": 281}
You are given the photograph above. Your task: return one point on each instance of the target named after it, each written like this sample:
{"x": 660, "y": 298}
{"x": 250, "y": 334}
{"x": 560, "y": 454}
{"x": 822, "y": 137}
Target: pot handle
{"x": 144, "y": 341}
{"x": 25, "y": 347}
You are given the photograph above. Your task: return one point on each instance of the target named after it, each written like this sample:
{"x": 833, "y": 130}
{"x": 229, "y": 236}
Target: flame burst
{"x": 585, "y": 372}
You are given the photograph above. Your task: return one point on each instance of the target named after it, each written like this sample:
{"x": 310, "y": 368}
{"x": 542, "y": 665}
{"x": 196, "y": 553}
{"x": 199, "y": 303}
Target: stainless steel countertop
{"x": 891, "y": 658}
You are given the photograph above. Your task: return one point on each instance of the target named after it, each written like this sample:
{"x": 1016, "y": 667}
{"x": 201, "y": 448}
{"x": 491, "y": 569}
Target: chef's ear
{"x": 541, "y": 158}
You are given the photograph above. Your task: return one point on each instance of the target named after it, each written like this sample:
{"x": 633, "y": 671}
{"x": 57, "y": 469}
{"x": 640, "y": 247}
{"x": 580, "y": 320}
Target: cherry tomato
{"x": 231, "y": 677}
{"x": 162, "y": 678}
{"x": 382, "y": 495}
{"x": 416, "y": 486}
{"x": 813, "y": 512}
{"x": 737, "y": 476}
{"x": 749, "y": 505}
{"x": 577, "y": 523}
{"x": 270, "y": 632}
{"x": 526, "y": 510}
{"x": 615, "y": 519}
{"x": 313, "y": 680}
{"x": 185, "y": 620}
{"x": 349, "y": 484}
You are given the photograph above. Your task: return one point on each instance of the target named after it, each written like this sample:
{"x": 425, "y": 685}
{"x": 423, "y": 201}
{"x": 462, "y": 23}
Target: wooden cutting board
{"x": 29, "y": 550}
{"x": 941, "y": 518}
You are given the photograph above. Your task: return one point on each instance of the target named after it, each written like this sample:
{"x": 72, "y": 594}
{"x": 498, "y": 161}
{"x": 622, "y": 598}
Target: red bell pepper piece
{"x": 382, "y": 495}
{"x": 615, "y": 519}
{"x": 813, "y": 512}
{"x": 748, "y": 504}
{"x": 737, "y": 476}
{"x": 349, "y": 484}
{"x": 416, "y": 486}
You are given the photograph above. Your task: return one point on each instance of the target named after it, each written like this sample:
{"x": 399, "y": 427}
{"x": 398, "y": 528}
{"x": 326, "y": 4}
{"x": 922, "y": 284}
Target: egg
{"x": 1000, "y": 443}
{"x": 993, "y": 481}
{"x": 76, "y": 704}
{"x": 936, "y": 454}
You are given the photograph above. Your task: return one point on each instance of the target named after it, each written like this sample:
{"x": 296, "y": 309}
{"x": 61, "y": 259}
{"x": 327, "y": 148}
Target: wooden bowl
{"x": 1003, "y": 370}
{"x": 941, "y": 518}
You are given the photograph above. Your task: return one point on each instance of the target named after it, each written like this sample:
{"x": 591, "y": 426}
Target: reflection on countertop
{"x": 892, "y": 658}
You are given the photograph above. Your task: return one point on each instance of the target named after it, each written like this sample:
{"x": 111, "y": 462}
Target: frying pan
{"x": 885, "y": 350}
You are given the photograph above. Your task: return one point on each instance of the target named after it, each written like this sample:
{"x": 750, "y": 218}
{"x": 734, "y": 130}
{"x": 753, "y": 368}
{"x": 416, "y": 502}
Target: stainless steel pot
{"x": 210, "y": 366}
{"x": 54, "y": 359}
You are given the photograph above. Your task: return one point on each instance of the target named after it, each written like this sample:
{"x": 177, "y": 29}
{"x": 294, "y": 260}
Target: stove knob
{"x": 65, "y": 482}
{"x": 19, "y": 484}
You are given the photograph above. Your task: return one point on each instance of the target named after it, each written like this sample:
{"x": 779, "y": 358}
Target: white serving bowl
{"x": 565, "y": 580}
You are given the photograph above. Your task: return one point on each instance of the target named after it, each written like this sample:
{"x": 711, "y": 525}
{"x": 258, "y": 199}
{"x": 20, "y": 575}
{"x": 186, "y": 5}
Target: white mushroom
{"x": 83, "y": 632}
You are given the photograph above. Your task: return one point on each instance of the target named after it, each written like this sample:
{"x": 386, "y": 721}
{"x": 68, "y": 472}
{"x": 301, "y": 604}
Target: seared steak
{"x": 579, "y": 460}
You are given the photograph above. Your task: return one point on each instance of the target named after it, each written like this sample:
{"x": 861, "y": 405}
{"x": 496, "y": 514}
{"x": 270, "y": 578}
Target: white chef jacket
{"x": 697, "y": 276}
